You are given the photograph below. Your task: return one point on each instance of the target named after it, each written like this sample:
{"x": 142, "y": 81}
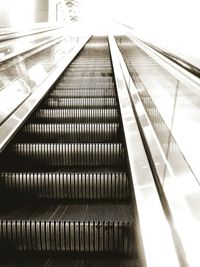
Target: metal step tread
{"x": 69, "y": 213}
{"x": 83, "y": 93}
{"x": 80, "y": 115}
{"x": 79, "y": 228}
{"x": 70, "y": 132}
{"x": 62, "y": 154}
{"x": 66, "y": 185}
{"x": 83, "y": 86}
{"x": 67, "y": 102}
{"x": 36, "y": 260}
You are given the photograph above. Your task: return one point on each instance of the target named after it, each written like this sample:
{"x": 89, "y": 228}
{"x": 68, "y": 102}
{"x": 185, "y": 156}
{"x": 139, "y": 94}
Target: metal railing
{"x": 27, "y": 78}
{"x": 158, "y": 247}
{"x": 166, "y": 97}
{"x": 10, "y": 33}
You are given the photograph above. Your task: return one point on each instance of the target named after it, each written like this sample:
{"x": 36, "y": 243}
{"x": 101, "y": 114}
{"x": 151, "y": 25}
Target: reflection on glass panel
{"x": 23, "y": 74}
{"x": 172, "y": 107}
{"x": 18, "y": 45}
{"x": 186, "y": 125}
{"x": 17, "y": 92}
{"x": 174, "y": 112}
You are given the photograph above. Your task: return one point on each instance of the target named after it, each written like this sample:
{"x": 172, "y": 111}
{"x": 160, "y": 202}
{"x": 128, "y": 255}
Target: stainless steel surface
{"x": 177, "y": 102}
{"x": 71, "y": 132}
{"x": 11, "y": 125}
{"x": 22, "y": 75}
{"x": 8, "y": 33}
{"x": 157, "y": 240}
{"x": 93, "y": 185}
{"x": 60, "y": 261}
{"x": 13, "y": 48}
{"x": 81, "y": 102}
{"x": 177, "y": 178}
{"x": 77, "y": 228}
{"x": 56, "y": 154}
{"x": 80, "y": 115}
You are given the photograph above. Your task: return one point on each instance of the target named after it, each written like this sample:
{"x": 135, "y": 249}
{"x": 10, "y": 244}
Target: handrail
{"x": 183, "y": 62}
{"x": 19, "y": 116}
{"x": 173, "y": 169}
{"x": 178, "y": 71}
{"x": 158, "y": 244}
{"x": 33, "y": 46}
{"x": 5, "y": 36}
{"x": 18, "y": 62}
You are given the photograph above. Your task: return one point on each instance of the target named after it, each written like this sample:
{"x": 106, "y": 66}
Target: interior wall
{"x": 41, "y": 12}
{"x": 171, "y": 24}
{"x": 20, "y": 13}
{"x": 4, "y": 14}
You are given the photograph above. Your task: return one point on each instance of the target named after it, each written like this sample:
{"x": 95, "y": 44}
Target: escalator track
{"x": 66, "y": 196}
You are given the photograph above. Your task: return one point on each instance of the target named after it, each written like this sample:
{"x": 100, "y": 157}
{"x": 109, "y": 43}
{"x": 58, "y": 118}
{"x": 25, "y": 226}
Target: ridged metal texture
{"x": 81, "y": 102}
{"x": 64, "y": 179}
{"x": 65, "y": 261}
{"x": 79, "y": 185}
{"x": 71, "y": 132}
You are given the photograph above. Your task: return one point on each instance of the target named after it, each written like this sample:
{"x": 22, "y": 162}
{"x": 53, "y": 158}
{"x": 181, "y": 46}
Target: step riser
{"x": 88, "y": 80}
{"x": 71, "y": 133}
{"x": 66, "y": 186}
{"x": 83, "y": 93}
{"x": 89, "y": 86}
{"x": 95, "y": 75}
{"x": 80, "y": 103}
{"x": 77, "y": 116}
{"x": 68, "y": 154}
{"x": 67, "y": 236}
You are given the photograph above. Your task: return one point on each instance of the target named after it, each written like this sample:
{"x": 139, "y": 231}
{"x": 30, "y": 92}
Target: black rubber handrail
{"x": 180, "y": 61}
{"x": 15, "y": 35}
{"x": 192, "y": 68}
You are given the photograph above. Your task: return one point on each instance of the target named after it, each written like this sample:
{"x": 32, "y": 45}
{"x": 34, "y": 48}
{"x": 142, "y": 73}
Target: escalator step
{"x": 82, "y": 132}
{"x": 74, "y": 154}
{"x": 66, "y": 261}
{"x": 91, "y": 69}
{"x": 83, "y": 86}
{"x": 62, "y": 185}
{"x": 99, "y": 263}
{"x": 72, "y": 228}
{"x": 87, "y": 79}
{"x": 83, "y": 93}
{"x": 76, "y": 115}
{"x": 86, "y": 73}
{"x": 80, "y": 102}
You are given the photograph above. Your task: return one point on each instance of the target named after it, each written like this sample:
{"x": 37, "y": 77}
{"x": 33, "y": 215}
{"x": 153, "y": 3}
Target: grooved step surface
{"x": 89, "y": 85}
{"x": 92, "y": 228}
{"x": 61, "y": 102}
{"x": 74, "y": 262}
{"x": 87, "y": 79}
{"x": 81, "y": 132}
{"x": 77, "y": 115}
{"x": 83, "y": 93}
{"x": 96, "y": 74}
{"x": 65, "y": 212}
{"x": 74, "y": 154}
{"x": 77, "y": 185}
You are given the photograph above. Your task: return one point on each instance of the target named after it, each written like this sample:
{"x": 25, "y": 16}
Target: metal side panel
{"x": 12, "y": 124}
{"x": 181, "y": 189}
{"x": 159, "y": 248}
{"x": 177, "y": 71}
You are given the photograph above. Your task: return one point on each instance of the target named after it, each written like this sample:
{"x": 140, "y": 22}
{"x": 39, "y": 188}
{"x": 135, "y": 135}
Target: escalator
{"x": 66, "y": 193}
